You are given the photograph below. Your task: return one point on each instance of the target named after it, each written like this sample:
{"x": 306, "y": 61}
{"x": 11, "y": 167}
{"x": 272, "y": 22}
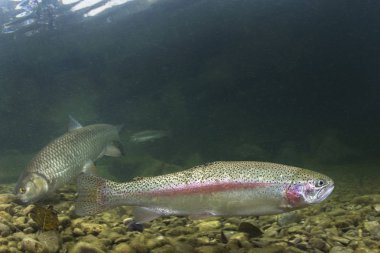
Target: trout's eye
{"x": 320, "y": 183}
{"x": 22, "y": 190}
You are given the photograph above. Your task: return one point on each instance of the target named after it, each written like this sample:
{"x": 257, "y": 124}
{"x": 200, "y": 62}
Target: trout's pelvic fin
{"x": 144, "y": 214}
{"x": 92, "y": 195}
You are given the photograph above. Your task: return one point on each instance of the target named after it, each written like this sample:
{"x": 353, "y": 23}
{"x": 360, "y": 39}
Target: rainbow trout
{"x": 65, "y": 158}
{"x": 215, "y": 189}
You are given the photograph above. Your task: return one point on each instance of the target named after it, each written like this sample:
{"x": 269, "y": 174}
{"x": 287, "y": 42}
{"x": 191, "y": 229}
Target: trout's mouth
{"x": 324, "y": 192}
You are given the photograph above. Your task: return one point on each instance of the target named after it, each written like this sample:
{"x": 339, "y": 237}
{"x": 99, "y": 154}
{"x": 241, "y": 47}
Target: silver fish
{"x": 217, "y": 189}
{"x": 148, "y": 135}
{"x": 65, "y": 158}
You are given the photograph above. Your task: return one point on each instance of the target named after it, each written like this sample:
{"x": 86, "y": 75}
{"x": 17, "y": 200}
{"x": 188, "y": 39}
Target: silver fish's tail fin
{"x": 92, "y": 195}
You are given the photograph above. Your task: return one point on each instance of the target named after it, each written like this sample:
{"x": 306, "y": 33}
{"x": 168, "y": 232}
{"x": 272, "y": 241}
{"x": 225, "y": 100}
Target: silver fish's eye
{"x": 22, "y": 190}
{"x": 320, "y": 183}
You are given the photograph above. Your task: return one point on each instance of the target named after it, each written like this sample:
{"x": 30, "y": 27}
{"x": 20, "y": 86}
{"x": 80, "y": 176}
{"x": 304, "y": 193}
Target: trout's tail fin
{"x": 92, "y": 195}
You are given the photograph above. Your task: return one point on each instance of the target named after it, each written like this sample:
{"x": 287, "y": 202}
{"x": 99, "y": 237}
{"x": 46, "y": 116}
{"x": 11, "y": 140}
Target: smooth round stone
{"x": 85, "y": 247}
{"x": 156, "y": 242}
{"x": 31, "y": 245}
{"x": 317, "y": 243}
{"x": 209, "y": 225}
{"x": 373, "y": 227}
{"x": 123, "y": 248}
{"x": 78, "y": 232}
{"x": 50, "y": 239}
{"x": 4, "y": 230}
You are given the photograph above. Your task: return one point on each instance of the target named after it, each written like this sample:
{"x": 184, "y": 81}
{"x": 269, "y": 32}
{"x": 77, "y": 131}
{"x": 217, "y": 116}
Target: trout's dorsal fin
{"x": 73, "y": 124}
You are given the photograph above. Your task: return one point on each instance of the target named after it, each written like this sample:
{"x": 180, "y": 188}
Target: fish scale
{"x": 64, "y": 158}
{"x": 223, "y": 188}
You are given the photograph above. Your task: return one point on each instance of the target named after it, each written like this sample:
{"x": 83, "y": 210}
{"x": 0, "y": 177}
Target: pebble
{"x": 27, "y": 210}
{"x": 209, "y": 225}
{"x": 78, "y": 232}
{"x": 31, "y": 245}
{"x": 164, "y": 249}
{"x": 64, "y": 221}
{"x": 123, "y": 248}
{"x": 94, "y": 241}
{"x": 4, "y": 230}
{"x": 7, "y": 198}
{"x": 317, "y": 243}
{"x": 341, "y": 240}
{"x": 50, "y": 240}
{"x": 139, "y": 243}
{"x": 210, "y": 249}
{"x": 373, "y": 227}
{"x": 85, "y": 247}
{"x": 271, "y": 232}
{"x": 295, "y": 229}
{"x": 288, "y": 218}
{"x": 240, "y": 239}
{"x": 4, "y": 249}
{"x": 340, "y": 249}
{"x": 92, "y": 228}
{"x": 156, "y": 242}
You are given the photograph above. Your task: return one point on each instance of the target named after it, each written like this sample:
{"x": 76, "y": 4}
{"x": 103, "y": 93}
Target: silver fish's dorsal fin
{"x": 73, "y": 124}
{"x": 144, "y": 214}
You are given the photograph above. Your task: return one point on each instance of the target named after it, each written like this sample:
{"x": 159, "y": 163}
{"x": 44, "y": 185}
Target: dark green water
{"x": 293, "y": 82}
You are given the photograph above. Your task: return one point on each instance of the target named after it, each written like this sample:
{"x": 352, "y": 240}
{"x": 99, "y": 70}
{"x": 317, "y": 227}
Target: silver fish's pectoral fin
{"x": 89, "y": 167}
{"x": 114, "y": 149}
{"x": 73, "y": 124}
{"x": 144, "y": 214}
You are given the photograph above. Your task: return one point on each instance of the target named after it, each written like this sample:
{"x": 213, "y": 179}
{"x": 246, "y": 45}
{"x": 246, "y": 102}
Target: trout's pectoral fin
{"x": 114, "y": 149}
{"x": 143, "y": 214}
{"x": 89, "y": 167}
